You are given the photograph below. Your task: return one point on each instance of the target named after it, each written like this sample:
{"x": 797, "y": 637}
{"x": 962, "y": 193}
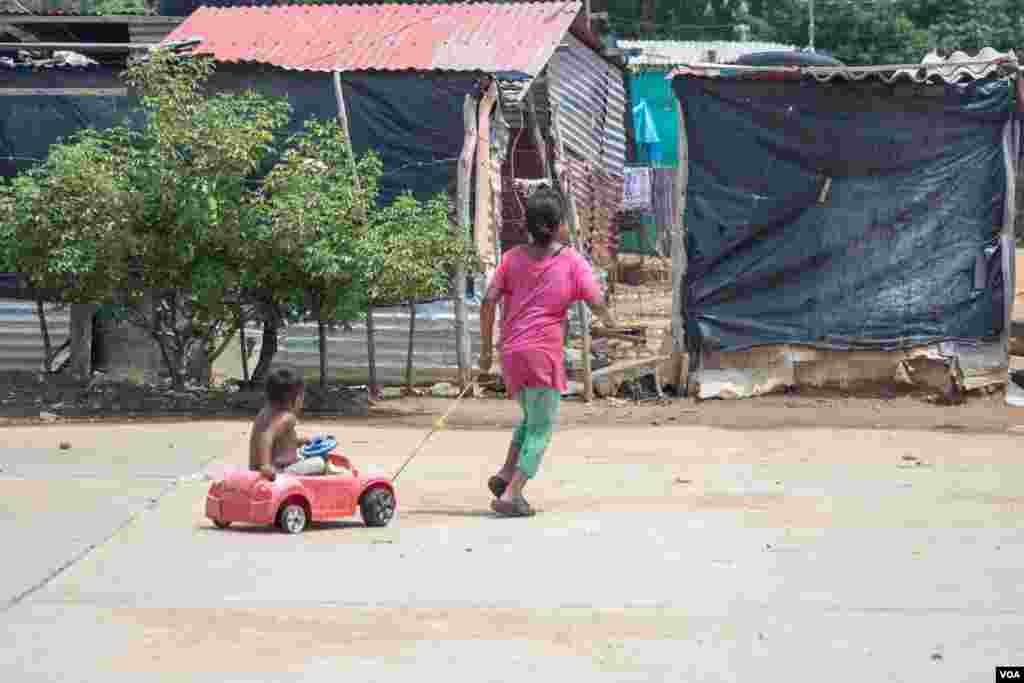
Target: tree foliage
{"x": 151, "y": 216}
{"x": 410, "y": 251}
{"x": 173, "y": 220}
{"x": 63, "y": 223}
{"x": 187, "y": 170}
{"x": 312, "y": 219}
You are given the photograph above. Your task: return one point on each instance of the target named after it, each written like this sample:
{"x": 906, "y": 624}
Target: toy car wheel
{"x": 292, "y": 519}
{"x": 221, "y": 524}
{"x": 377, "y": 506}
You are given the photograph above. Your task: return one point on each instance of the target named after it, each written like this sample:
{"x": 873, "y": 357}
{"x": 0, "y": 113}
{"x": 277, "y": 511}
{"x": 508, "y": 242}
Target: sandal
{"x": 497, "y": 486}
{"x": 516, "y": 508}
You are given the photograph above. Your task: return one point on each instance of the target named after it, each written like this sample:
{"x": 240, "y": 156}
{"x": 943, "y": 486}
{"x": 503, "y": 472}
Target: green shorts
{"x": 533, "y": 435}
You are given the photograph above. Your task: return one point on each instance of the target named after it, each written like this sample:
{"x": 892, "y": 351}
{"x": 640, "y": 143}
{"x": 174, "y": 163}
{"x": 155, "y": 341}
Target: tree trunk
{"x": 371, "y": 352}
{"x": 268, "y": 346}
{"x": 412, "y": 338}
{"x": 241, "y": 342}
{"x": 321, "y": 328}
{"x": 81, "y": 340}
{"x": 44, "y": 330}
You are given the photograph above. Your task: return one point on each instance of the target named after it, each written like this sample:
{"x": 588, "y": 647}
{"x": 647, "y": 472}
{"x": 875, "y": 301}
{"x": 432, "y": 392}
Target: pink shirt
{"x": 535, "y": 297}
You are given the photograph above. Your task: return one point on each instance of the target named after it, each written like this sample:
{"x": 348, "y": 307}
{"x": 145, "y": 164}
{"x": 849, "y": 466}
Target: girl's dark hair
{"x": 545, "y": 212}
{"x": 283, "y": 386}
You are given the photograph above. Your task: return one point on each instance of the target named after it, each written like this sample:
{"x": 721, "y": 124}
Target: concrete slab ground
{"x": 659, "y": 554}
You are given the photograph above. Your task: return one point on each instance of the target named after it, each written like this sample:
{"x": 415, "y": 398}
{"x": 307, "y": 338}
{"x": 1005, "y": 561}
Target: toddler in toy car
{"x": 274, "y": 444}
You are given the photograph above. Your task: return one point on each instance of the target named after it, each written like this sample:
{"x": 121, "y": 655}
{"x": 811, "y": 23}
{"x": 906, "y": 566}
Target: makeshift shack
{"x": 846, "y": 225}
{"x": 428, "y": 86}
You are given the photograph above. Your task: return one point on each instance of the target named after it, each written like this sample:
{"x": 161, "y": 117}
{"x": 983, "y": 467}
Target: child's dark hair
{"x": 545, "y": 212}
{"x": 284, "y": 386}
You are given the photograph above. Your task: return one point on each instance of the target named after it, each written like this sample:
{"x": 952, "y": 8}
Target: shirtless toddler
{"x": 273, "y": 445}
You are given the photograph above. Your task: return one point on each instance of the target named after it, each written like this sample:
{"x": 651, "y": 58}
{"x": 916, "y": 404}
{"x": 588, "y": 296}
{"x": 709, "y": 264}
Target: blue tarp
{"x": 904, "y": 248}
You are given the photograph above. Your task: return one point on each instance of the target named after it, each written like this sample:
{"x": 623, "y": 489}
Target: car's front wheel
{"x": 293, "y": 518}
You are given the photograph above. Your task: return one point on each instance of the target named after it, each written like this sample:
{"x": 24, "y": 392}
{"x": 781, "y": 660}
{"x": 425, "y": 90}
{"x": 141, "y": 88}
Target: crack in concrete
{"x": 81, "y": 555}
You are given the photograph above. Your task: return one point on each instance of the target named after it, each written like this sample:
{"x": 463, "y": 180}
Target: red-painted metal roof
{"x": 457, "y": 37}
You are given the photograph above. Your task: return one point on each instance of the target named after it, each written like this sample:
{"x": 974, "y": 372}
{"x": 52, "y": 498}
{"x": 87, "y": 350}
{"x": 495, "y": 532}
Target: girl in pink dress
{"x": 536, "y": 284}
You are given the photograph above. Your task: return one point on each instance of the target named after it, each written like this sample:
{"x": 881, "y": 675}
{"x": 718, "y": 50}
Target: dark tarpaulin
{"x": 30, "y": 124}
{"x": 411, "y": 120}
{"x": 904, "y": 249}
{"x": 414, "y": 122}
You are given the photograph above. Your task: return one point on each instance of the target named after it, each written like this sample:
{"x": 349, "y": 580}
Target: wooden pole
{"x": 679, "y": 263}
{"x": 464, "y": 229}
{"x": 483, "y": 181}
{"x": 371, "y": 343}
{"x": 371, "y": 352}
{"x": 561, "y": 178}
{"x": 339, "y": 96}
{"x": 412, "y": 338}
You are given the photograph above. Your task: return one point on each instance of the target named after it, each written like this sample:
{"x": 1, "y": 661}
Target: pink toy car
{"x": 292, "y": 502}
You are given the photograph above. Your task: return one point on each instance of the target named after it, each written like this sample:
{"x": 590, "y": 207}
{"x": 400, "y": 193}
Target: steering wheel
{"x": 319, "y": 445}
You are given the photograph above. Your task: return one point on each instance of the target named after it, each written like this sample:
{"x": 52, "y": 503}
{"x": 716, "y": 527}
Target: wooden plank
{"x": 633, "y": 337}
{"x": 630, "y": 365}
{"x": 63, "y": 92}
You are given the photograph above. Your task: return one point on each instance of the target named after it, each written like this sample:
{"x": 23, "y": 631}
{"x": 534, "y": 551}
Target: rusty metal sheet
{"x": 485, "y": 37}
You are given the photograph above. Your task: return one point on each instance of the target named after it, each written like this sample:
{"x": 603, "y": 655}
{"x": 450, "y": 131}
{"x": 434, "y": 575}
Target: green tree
{"x": 150, "y": 216}
{"x": 188, "y": 170}
{"x": 63, "y": 223}
{"x": 410, "y": 254}
{"x": 310, "y": 223}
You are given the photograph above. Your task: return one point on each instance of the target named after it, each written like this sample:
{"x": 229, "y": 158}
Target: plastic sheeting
{"x": 846, "y": 216}
{"x": 414, "y": 122}
{"x": 30, "y": 123}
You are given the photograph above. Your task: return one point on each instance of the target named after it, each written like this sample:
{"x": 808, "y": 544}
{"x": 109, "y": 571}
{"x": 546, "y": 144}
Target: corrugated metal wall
{"x": 21, "y": 342}
{"x": 590, "y": 95}
{"x": 434, "y": 356}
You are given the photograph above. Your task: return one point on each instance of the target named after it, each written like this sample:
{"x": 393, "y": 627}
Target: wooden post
{"x": 371, "y": 344}
{"x": 464, "y": 228}
{"x": 339, "y": 96}
{"x": 679, "y": 248}
{"x": 561, "y": 178}
{"x": 483, "y": 180}
{"x": 371, "y": 352}
{"x": 412, "y": 346}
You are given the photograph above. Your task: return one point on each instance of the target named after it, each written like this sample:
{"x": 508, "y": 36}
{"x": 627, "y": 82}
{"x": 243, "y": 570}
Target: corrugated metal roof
{"x": 958, "y": 66}
{"x": 668, "y": 53}
{"x": 455, "y": 37}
